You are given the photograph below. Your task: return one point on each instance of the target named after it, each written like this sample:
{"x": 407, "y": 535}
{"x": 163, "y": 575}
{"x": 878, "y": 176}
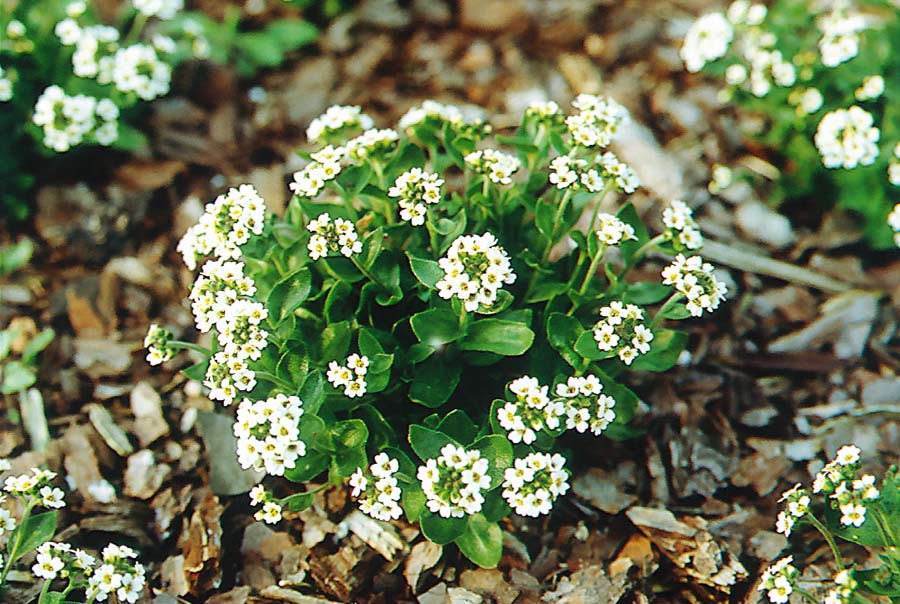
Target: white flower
{"x": 453, "y": 482}
{"x": 226, "y": 224}
{"x": 336, "y": 120}
{"x": 499, "y": 167}
{"x": 332, "y": 236}
{"x": 694, "y": 279}
{"x": 707, "y": 40}
{"x": 351, "y": 377}
{"x": 270, "y": 513}
{"x": 846, "y": 138}
{"x": 853, "y": 514}
{"x": 893, "y": 221}
{"x": 840, "y": 36}
{"x": 162, "y": 9}
{"x": 416, "y": 189}
{"x": 377, "y": 491}
{"x": 871, "y": 88}
{"x": 847, "y": 455}
{"x": 778, "y": 581}
{"x": 268, "y": 434}
{"x": 534, "y": 483}
{"x": 475, "y": 269}
{"x": 597, "y": 122}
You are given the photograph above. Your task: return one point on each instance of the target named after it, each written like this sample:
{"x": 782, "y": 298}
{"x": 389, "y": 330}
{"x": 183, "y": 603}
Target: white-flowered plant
{"x": 415, "y": 274}
{"x": 830, "y": 63}
{"x": 453, "y": 482}
{"x": 268, "y": 434}
{"x": 377, "y": 490}
{"x": 533, "y": 484}
{"x": 854, "y": 507}
{"x": 475, "y": 269}
{"x": 157, "y": 344}
{"x": 693, "y": 279}
{"x": 115, "y": 577}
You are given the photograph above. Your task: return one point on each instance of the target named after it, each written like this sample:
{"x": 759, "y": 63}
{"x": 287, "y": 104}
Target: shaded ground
{"x": 777, "y": 380}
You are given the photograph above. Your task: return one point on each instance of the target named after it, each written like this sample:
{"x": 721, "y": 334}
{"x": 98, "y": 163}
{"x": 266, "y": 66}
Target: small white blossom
{"x": 534, "y": 483}
{"x": 499, "y": 167}
{"x": 707, "y": 39}
{"x": 475, "y": 269}
{"x": 454, "y": 481}
{"x": 693, "y": 278}
{"x": 268, "y": 434}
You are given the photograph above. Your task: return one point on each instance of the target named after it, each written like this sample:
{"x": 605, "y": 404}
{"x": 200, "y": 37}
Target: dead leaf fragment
{"x": 146, "y": 405}
{"x": 143, "y": 476}
{"x": 423, "y": 556}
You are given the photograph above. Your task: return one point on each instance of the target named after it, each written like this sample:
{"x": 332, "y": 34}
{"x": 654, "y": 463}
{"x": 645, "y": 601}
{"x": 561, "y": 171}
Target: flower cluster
{"x": 239, "y": 331}
{"x": 372, "y": 143}
{"x": 693, "y": 278}
{"x": 544, "y": 111}
{"x": 585, "y": 405}
{"x": 806, "y": 100}
{"x": 840, "y": 36}
{"x": 597, "y": 121}
{"x": 871, "y": 88}
{"x": 893, "y": 221}
{"x": 117, "y": 574}
{"x": 475, "y": 269}
{"x": 35, "y": 489}
{"x": 797, "y": 507}
{"x": 847, "y": 492}
{"x": 621, "y": 331}
{"x": 847, "y": 138}
{"x": 350, "y": 376}
{"x": 621, "y": 174}
{"x": 531, "y": 412}
{"x": 325, "y": 166}
{"x": 334, "y": 236}
{"x": 893, "y": 170}
{"x": 498, "y": 166}
{"x": 6, "y": 87}
{"x": 68, "y": 121}
{"x": 377, "y": 491}
{"x": 271, "y": 510}
{"x": 226, "y": 224}
{"x": 268, "y": 434}
{"x": 415, "y": 190}
{"x": 844, "y": 588}
{"x": 707, "y": 40}
{"x": 337, "y": 120}
{"x": 533, "y": 484}
{"x": 435, "y": 114}
{"x": 612, "y": 231}
{"x": 778, "y": 581}
{"x": 161, "y": 9}
{"x": 453, "y": 482}
{"x": 157, "y": 344}
{"x": 681, "y": 229}
{"x": 568, "y": 172}
{"x": 219, "y": 285}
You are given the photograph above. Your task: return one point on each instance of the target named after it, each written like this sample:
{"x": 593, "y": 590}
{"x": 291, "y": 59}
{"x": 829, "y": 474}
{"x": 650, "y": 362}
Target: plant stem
{"x": 137, "y": 26}
{"x": 432, "y": 236}
{"x": 592, "y": 267}
{"x": 14, "y": 550}
{"x": 883, "y": 528}
{"x": 808, "y": 596}
{"x": 180, "y": 345}
{"x": 556, "y": 218}
{"x": 640, "y": 253}
{"x": 364, "y": 271}
{"x": 672, "y": 301}
{"x": 44, "y": 591}
{"x": 606, "y": 189}
{"x": 831, "y": 543}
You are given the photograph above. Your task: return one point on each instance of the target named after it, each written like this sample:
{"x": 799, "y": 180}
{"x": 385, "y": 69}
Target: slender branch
{"x": 831, "y": 543}
{"x": 181, "y": 345}
{"x": 671, "y": 302}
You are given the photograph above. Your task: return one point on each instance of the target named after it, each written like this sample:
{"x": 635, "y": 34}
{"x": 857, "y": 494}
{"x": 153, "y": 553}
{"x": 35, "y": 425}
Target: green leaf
{"x": 368, "y": 344}
{"x": 482, "y": 541}
{"x": 508, "y": 338}
{"x": 350, "y": 433}
{"x": 371, "y": 248}
{"x": 498, "y": 451}
{"x": 647, "y": 292}
{"x": 459, "y": 426}
{"x": 427, "y": 443}
{"x": 298, "y": 501}
{"x": 339, "y": 303}
{"x": 197, "y": 371}
{"x": 37, "y": 344}
{"x": 442, "y": 530}
{"x": 665, "y": 349}
{"x": 562, "y": 333}
{"x": 544, "y": 215}
{"x": 434, "y": 381}
{"x": 546, "y": 290}
{"x": 428, "y": 272}
{"x": 628, "y": 248}
{"x": 336, "y": 341}
{"x": 38, "y": 529}
{"x": 13, "y": 257}
{"x": 586, "y": 346}
{"x": 288, "y": 294}
{"x": 307, "y": 467}
{"x": 17, "y": 376}
{"x": 413, "y": 498}
{"x": 313, "y": 393}
{"x": 436, "y": 327}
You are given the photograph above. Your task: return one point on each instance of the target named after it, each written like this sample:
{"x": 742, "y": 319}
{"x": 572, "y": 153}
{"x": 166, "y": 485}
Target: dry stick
{"x": 763, "y": 265}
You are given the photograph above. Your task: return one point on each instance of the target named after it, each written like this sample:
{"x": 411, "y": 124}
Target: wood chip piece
{"x": 602, "y": 491}
{"x": 380, "y": 536}
{"x": 143, "y": 476}
{"x": 146, "y": 405}
{"x": 423, "y": 556}
{"x": 109, "y": 430}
